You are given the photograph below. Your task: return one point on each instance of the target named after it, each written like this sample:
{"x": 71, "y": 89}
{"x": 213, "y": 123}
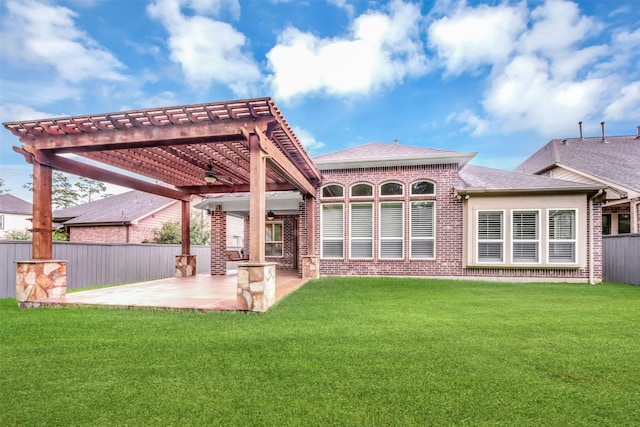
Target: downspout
{"x": 591, "y": 279}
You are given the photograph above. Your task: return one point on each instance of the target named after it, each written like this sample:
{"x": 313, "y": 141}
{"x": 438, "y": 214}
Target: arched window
{"x": 362, "y": 190}
{"x": 392, "y": 189}
{"x": 333, "y": 190}
{"x": 423, "y": 188}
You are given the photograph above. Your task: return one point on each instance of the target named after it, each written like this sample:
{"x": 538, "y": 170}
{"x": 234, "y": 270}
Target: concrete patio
{"x": 200, "y": 293}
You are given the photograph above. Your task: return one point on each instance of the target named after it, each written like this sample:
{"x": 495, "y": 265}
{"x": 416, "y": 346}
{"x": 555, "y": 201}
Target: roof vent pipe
{"x": 580, "y": 125}
{"x": 602, "y": 124}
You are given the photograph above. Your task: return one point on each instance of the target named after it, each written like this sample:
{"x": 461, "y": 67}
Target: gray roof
{"x": 13, "y": 205}
{"x": 616, "y": 161}
{"x": 121, "y": 208}
{"x": 376, "y": 154}
{"x": 480, "y": 179}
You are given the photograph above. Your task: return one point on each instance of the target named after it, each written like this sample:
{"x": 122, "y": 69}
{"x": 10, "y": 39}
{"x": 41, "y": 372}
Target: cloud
{"x": 627, "y": 104}
{"x": 16, "y": 112}
{"x": 208, "y": 50}
{"x": 380, "y": 49}
{"x": 471, "y": 37}
{"x": 343, "y": 4}
{"x": 46, "y": 35}
{"x": 545, "y": 72}
{"x": 308, "y": 140}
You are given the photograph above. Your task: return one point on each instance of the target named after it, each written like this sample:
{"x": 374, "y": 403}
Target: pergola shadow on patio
{"x": 177, "y": 152}
{"x": 199, "y": 293}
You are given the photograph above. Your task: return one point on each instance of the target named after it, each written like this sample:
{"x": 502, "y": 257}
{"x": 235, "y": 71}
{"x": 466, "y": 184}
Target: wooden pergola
{"x": 247, "y": 144}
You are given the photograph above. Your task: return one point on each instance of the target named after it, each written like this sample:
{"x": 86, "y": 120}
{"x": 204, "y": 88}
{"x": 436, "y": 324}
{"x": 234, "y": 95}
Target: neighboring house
{"x": 129, "y": 217}
{"x": 15, "y": 214}
{"x": 391, "y": 209}
{"x": 612, "y": 161}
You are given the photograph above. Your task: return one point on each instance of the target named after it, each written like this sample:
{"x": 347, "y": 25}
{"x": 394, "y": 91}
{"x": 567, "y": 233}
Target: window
{"x": 273, "y": 239}
{"x": 423, "y": 188}
{"x": 525, "y": 235}
{"x": 391, "y": 230}
{"x": 624, "y": 223}
{"x": 562, "y": 236}
{"x": 333, "y": 190}
{"x": 490, "y": 236}
{"x": 332, "y": 230}
{"x": 362, "y": 190}
{"x": 1, "y": 222}
{"x": 391, "y": 189}
{"x": 361, "y": 230}
{"x": 422, "y": 230}
{"x": 606, "y": 224}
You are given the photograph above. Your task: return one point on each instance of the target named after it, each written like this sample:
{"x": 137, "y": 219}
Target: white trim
{"x": 362, "y": 239}
{"x": 281, "y": 241}
{"x": 433, "y": 203}
{"x": 373, "y": 190}
{"x": 512, "y": 241}
{"x": 576, "y": 248}
{"x": 435, "y": 188}
{"x": 390, "y": 196}
{"x": 401, "y": 239}
{"x": 322, "y": 205}
{"x": 502, "y": 240}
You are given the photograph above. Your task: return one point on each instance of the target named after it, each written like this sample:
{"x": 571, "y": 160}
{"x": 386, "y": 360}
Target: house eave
{"x": 480, "y": 191}
{"x": 436, "y": 159}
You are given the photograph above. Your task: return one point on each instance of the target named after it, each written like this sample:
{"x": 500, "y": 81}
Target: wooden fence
{"x": 91, "y": 264}
{"x": 621, "y": 260}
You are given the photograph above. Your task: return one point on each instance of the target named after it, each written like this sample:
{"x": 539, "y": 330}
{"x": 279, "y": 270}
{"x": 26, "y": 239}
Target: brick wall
{"x": 218, "y": 243}
{"x": 448, "y": 261}
{"x": 105, "y": 234}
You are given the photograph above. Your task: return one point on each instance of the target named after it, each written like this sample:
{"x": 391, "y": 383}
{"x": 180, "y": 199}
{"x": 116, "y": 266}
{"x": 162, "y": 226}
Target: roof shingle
{"x": 616, "y": 161}
{"x": 11, "y": 204}
{"x": 121, "y": 208}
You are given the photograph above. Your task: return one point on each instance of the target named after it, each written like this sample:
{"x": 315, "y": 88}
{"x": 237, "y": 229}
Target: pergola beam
{"x": 74, "y": 167}
{"x": 148, "y": 136}
{"x": 238, "y": 188}
{"x": 285, "y": 167}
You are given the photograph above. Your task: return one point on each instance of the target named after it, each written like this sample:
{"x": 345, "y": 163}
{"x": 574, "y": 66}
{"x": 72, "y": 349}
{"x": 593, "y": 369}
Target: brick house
{"x": 612, "y": 162}
{"x": 15, "y": 214}
{"x": 129, "y": 217}
{"x": 391, "y": 209}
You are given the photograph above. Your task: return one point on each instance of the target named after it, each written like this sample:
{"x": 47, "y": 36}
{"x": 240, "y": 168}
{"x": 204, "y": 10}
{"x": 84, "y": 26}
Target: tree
{"x": 89, "y": 189}
{"x": 200, "y": 230}
{"x": 170, "y": 232}
{"x": 62, "y": 193}
{"x": 3, "y": 189}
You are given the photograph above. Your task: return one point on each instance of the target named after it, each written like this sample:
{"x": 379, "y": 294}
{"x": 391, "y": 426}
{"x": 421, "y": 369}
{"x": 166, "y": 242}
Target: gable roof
{"x": 122, "y": 208}
{"x": 382, "y": 154}
{"x": 614, "y": 161}
{"x": 480, "y": 179}
{"x": 11, "y": 204}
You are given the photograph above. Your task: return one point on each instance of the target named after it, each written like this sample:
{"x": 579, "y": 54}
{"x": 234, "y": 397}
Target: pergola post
{"x": 42, "y": 277}
{"x": 185, "y": 262}
{"x": 310, "y": 261}
{"x": 256, "y": 278}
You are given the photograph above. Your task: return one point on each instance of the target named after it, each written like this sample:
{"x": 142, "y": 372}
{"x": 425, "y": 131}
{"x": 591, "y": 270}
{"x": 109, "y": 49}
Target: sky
{"x": 500, "y": 78}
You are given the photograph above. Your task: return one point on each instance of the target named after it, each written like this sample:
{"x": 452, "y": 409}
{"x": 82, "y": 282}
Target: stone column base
{"x": 310, "y": 267}
{"x": 186, "y": 265}
{"x": 256, "y": 286}
{"x": 37, "y": 280}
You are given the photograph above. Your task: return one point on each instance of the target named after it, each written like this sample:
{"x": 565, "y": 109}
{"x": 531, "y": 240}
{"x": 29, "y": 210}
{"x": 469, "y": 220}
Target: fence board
{"x": 93, "y": 264}
{"x": 621, "y": 260}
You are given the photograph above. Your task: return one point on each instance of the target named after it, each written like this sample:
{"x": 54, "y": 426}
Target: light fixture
{"x": 209, "y": 176}
{"x": 270, "y": 215}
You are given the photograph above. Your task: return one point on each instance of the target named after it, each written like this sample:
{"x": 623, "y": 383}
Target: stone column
{"x": 186, "y": 265}
{"x": 310, "y": 267}
{"x": 37, "y": 280}
{"x": 256, "y": 286}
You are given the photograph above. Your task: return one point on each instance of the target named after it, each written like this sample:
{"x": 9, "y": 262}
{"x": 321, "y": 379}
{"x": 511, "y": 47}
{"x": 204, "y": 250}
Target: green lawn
{"x": 339, "y": 351}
